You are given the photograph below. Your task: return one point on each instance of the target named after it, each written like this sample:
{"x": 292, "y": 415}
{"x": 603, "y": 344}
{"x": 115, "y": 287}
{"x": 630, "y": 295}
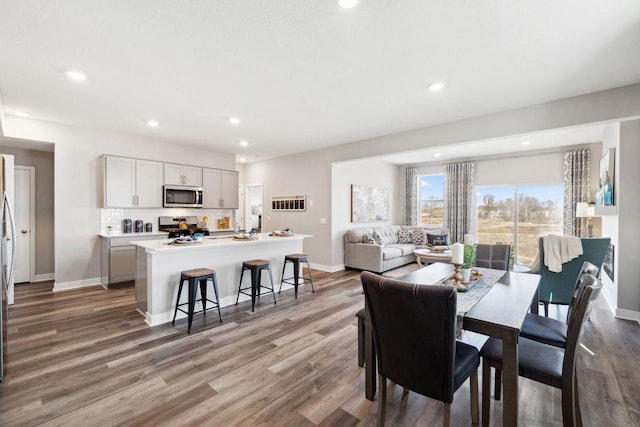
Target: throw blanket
{"x": 560, "y": 249}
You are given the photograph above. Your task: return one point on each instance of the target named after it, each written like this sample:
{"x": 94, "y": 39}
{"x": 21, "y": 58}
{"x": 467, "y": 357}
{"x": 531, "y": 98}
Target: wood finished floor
{"x": 86, "y": 357}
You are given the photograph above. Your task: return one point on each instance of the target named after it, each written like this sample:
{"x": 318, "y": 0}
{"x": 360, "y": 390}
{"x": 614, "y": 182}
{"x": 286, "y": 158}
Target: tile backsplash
{"x": 114, "y": 217}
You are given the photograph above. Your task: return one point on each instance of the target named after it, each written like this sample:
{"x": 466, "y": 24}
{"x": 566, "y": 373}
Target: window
{"x": 519, "y": 216}
{"x": 431, "y": 199}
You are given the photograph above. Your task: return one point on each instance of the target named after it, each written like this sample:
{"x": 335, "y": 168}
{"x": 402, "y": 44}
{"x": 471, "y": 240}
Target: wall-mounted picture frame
{"x": 369, "y": 204}
{"x": 296, "y": 203}
{"x": 607, "y": 176}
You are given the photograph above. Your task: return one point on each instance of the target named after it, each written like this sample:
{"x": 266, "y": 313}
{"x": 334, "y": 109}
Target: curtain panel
{"x": 411, "y": 197}
{"x": 458, "y": 199}
{"x": 577, "y": 185}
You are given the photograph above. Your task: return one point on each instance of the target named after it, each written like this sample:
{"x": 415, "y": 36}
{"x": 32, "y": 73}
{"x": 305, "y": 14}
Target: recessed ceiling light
{"x": 243, "y": 143}
{"x": 234, "y": 120}
{"x": 242, "y": 159}
{"x": 436, "y": 86}
{"x": 437, "y": 155}
{"x": 21, "y": 114}
{"x": 348, "y": 4}
{"x": 76, "y": 75}
{"x": 525, "y": 143}
{"x": 153, "y": 123}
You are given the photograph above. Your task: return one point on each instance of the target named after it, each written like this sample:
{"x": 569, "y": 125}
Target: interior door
{"x": 24, "y": 187}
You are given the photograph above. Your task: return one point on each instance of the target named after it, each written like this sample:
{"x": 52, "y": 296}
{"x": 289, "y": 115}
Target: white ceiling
{"x": 304, "y": 74}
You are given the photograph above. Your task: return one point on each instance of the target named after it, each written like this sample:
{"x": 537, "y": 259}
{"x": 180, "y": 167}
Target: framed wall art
{"x": 369, "y": 204}
{"x": 295, "y": 203}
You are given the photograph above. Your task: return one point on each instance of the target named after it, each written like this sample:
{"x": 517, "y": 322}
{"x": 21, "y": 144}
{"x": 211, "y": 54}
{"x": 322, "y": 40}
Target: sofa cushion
{"x": 405, "y": 248}
{"x": 390, "y": 252}
{"x": 388, "y": 233}
{"x": 437, "y": 239}
{"x": 368, "y": 238}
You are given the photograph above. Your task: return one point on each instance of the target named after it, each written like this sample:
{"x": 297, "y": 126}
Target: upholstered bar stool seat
{"x": 256, "y": 266}
{"x": 195, "y": 277}
{"x": 296, "y": 260}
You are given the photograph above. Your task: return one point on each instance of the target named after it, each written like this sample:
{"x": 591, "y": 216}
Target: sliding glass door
{"x": 519, "y": 216}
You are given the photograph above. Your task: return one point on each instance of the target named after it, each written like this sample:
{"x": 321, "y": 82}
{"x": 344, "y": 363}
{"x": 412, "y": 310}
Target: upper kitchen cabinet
{"x": 132, "y": 183}
{"x": 182, "y": 175}
{"x": 220, "y": 189}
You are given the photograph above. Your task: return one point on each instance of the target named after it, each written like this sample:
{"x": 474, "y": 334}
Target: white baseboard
{"x": 327, "y": 268}
{"x": 63, "y": 286}
{"x": 610, "y": 304}
{"x": 45, "y": 277}
{"x": 628, "y": 315}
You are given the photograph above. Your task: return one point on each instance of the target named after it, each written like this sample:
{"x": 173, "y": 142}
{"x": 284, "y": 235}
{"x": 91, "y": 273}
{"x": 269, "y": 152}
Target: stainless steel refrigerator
{"x": 8, "y": 256}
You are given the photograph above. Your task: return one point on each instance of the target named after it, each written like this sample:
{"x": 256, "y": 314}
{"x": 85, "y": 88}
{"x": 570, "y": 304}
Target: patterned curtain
{"x": 577, "y": 184}
{"x": 411, "y": 197}
{"x": 458, "y": 199}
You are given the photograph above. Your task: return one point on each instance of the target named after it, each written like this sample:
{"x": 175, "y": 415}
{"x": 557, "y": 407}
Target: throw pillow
{"x": 377, "y": 237}
{"x": 417, "y": 238}
{"x": 368, "y": 238}
{"x": 438, "y": 239}
{"x": 405, "y": 236}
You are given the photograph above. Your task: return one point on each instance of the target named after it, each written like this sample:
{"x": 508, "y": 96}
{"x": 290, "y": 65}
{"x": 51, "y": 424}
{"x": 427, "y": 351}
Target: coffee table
{"x": 428, "y": 256}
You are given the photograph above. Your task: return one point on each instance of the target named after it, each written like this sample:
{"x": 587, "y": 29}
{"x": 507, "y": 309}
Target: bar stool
{"x": 256, "y": 266}
{"x": 296, "y": 259}
{"x": 197, "y": 276}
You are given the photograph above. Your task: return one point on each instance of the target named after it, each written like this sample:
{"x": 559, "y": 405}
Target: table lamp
{"x": 582, "y": 211}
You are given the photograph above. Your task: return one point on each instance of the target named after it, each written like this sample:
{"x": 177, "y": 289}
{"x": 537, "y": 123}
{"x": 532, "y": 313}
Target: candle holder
{"x": 457, "y": 275}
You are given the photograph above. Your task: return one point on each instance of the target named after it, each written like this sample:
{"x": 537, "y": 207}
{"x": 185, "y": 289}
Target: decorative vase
{"x": 466, "y": 275}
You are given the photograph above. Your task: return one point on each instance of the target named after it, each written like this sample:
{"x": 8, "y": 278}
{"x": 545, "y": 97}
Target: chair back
{"x": 588, "y": 291}
{"x": 493, "y": 256}
{"x": 414, "y": 328}
{"x": 587, "y": 268}
{"x": 557, "y": 288}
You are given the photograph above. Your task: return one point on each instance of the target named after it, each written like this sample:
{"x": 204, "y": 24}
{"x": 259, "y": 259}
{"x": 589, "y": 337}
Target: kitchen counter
{"x": 108, "y": 234}
{"x": 158, "y": 268}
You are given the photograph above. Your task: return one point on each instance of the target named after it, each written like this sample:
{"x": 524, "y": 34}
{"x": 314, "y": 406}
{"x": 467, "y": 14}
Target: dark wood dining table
{"x": 499, "y": 314}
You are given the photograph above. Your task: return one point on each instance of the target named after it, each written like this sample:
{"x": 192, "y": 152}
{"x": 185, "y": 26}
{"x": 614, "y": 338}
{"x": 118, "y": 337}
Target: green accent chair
{"x": 557, "y": 288}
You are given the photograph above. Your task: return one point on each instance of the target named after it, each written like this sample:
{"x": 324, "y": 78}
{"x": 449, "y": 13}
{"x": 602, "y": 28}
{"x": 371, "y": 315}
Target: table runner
{"x": 466, "y": 300}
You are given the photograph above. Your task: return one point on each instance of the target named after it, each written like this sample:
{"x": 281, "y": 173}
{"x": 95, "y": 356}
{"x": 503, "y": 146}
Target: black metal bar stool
{"x": 256, "y": 266}
{"x": 296, "y": 259}
{"x": 197, "y": 276}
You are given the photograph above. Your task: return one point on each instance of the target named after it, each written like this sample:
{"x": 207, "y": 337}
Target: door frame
{"x": 247, "y": 204}
{"x": 32, "y": 218}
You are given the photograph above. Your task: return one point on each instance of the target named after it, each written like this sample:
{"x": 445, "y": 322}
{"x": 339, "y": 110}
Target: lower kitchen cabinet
{"x": 119, "y": 256}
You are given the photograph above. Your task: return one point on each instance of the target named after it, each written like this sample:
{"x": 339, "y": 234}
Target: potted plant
{"x": 468, "y": 258}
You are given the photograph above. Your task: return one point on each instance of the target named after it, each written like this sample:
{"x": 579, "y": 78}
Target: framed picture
{"x": 369, "y": 204}
{"x": 607, "y": 174}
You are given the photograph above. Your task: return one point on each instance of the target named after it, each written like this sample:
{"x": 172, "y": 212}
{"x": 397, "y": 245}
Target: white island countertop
{"x": 210, "y": 242}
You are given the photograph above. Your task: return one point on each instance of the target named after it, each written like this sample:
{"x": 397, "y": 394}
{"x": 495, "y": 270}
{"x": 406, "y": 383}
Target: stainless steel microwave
{"x": 181, "y": 196}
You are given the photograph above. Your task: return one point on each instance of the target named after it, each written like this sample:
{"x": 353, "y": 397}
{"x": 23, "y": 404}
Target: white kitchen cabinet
{"x": 118, "y": 258}
{"x": 132, "y": 183}
{"x": 220, "y": 189}
{"x": 182, "y": 175}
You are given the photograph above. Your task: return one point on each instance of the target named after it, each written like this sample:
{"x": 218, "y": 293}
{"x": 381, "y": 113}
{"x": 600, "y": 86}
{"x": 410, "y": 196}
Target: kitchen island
{"x": 158, "y": 267}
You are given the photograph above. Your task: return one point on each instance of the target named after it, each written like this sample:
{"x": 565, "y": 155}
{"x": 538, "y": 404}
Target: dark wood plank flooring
{"x": 86, "y": 357}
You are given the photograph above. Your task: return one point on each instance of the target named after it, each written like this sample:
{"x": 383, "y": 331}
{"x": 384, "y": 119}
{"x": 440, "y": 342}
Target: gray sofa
{"x": 394, "y": 250}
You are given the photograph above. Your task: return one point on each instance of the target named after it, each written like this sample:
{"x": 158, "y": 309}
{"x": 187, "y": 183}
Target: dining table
{"x": 498, "y": 313}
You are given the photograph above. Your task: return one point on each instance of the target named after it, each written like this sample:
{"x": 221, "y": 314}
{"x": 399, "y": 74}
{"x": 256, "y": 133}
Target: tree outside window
{"x": 431, "y": 199}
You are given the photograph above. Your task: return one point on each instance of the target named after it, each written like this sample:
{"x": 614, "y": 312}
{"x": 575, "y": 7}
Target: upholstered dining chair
{"x": 493, "y": 256}
{"x": 544, "y": 363}
{"x": 414, "y": 329}
{"x": 551, "y": 331}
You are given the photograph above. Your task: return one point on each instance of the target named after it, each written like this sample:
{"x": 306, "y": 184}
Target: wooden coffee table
{"x": 428, "y": 256}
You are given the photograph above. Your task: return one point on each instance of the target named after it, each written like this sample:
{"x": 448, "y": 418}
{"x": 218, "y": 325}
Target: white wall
{"x": 627, "y": 198}
{"x": 368, "y": 173}
{"x": 78, "y": 183}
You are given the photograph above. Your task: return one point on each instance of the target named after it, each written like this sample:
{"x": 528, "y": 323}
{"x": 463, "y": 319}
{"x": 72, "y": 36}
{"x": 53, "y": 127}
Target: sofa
{"x": 382, "y": 248}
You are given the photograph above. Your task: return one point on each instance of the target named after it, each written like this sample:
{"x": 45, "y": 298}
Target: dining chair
{"x": 414, "y": 329}
{"x": 545, "y": 363}
{"x": 551, "y": 331}
{"x": 493, "y": 256}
